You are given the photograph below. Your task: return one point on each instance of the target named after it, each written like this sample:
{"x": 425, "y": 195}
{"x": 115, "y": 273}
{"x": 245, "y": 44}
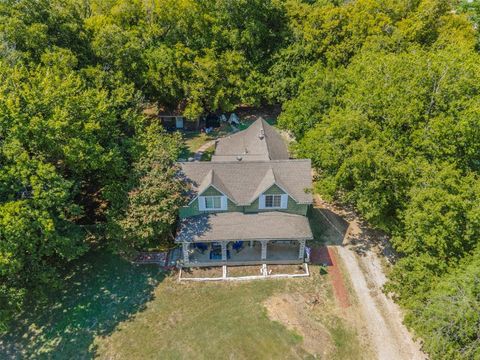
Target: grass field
{"x": 113, "y": 309}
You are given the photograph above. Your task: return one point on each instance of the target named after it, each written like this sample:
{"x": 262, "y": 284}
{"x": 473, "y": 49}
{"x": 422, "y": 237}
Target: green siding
{"x": 193, "y": 208}
{"x": 211, "y": 191}
{"x": 274, "y": 190}
{"x": 292, "y": 207}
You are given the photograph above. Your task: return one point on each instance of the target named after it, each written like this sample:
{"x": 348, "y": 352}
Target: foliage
{"x": 152, "y": 205}
{"x": 381, "y": 95}
{"x": 392, "y": 128}
{"x": 62, "y": 145}
{"x": 450, "y": 318}
{"x": 196, "y": 56}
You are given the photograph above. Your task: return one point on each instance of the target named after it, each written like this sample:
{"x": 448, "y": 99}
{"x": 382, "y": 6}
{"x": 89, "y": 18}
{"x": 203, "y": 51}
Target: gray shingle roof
{"x": 242, "y": 181}
{"x": 260, "y": 141}
{"x": 239, "y": 226}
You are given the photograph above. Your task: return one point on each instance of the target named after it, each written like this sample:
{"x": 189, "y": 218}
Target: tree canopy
{"x": 383, "y": 96}
{"x": 393, "y": 128}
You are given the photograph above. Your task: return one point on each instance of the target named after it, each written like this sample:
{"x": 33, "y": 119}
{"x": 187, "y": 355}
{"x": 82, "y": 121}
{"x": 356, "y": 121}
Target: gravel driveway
{"x": 383, "y": 319}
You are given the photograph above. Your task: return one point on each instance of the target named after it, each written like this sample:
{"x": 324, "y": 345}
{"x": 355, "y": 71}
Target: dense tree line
{"x": 382, "y": 95}
{"x": 393, "y": 127}
{"x": 80, "y": 166}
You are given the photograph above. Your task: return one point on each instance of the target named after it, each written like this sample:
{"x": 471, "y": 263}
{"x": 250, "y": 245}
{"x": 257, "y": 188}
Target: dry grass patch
{"x": 286, "y": 269}
{"x": 292, "y": 311}
{"x": 202, "y": 272}
{"x": 239, "y": 271}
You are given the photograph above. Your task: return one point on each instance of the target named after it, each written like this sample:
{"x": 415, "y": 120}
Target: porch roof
{"x": 239, "y": 226}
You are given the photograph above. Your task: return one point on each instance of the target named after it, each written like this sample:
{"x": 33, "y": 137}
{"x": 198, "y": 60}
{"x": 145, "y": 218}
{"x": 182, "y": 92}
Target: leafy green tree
{"x": 449, "y": 320}
{"x": 148, "y": 216}
{"x": 64, "y": 145}
{"x": 395, "y": 133}
{"x": 28, "y": 28}
{"x": 37, "y": 226}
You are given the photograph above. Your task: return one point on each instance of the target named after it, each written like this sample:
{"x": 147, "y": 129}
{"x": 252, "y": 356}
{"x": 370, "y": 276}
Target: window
{"x": 207, "y": 203}
{"x": 273, "y": 201}
{"x": 213, "y": 202}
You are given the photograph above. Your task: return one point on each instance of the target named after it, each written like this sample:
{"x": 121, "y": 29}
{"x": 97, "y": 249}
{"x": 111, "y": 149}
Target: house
{"x": 246, "y": 211}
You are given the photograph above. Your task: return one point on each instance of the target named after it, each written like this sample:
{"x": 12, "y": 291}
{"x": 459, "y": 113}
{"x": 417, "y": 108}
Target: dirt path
{"x": 199, "y": 152}
{"x": 358, "y": 249}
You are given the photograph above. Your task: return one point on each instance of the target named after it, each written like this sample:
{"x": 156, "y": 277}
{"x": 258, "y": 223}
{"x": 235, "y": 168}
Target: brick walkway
{"x": 324, "y": 255}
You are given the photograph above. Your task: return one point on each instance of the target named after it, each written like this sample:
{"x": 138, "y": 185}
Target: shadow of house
{"x": 102, "y": 290}
{"x": 328, "y": 228}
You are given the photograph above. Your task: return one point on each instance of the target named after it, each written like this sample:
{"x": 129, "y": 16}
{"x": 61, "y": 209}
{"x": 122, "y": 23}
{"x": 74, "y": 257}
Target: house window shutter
{"x": 261, "y": 202}
{"x": 224, "y": 203}
{"x": 284, "y": 202}
{"x": 201, "y": 203}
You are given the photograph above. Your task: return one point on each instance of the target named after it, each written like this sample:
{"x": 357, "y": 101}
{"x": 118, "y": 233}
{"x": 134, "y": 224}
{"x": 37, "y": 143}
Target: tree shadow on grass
{"x": 101, "y": 290}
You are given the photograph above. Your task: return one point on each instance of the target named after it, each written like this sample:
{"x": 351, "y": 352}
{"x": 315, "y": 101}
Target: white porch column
{"x": 251, "y": 243}
{"x": 301, "y": 250}
{"x": 224, "y": 250}
{"x": 186, "y": 258}
{"x": 264, "y": 249}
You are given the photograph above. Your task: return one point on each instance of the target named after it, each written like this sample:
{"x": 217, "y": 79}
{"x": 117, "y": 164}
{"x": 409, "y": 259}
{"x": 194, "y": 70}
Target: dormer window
{"x": 273, "y": 201}
{"x": 211, "y": 203}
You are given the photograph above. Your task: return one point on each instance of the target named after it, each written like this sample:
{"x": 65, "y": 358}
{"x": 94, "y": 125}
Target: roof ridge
{"x": 244, "y": 162}
{"x": 264, "y": 133}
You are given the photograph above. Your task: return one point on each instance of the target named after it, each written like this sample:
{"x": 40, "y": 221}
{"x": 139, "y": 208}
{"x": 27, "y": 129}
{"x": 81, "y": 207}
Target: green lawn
{"x": 192, "y": 141}
{"x": 112, "y": 309}
{"x": 101, "y": 291}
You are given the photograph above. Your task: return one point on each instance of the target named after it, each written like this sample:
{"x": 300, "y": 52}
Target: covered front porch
{"x": 233, "y": 238}
{"x": 243, "y": 252}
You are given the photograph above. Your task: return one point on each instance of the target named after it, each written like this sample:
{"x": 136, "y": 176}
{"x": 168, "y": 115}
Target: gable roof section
{"x": 243, "y": 182}
{"x": 260, "y": 141}
{"x": 212, "y": 179}
{"x": 266, "y": 183}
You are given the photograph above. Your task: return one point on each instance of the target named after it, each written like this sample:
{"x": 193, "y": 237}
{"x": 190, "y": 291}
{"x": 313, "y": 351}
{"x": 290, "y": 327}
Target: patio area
{"x": 250, "y": 252}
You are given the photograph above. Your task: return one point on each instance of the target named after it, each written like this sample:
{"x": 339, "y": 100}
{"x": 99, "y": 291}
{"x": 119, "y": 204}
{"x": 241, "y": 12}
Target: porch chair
{"x": 237, "y": 246}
